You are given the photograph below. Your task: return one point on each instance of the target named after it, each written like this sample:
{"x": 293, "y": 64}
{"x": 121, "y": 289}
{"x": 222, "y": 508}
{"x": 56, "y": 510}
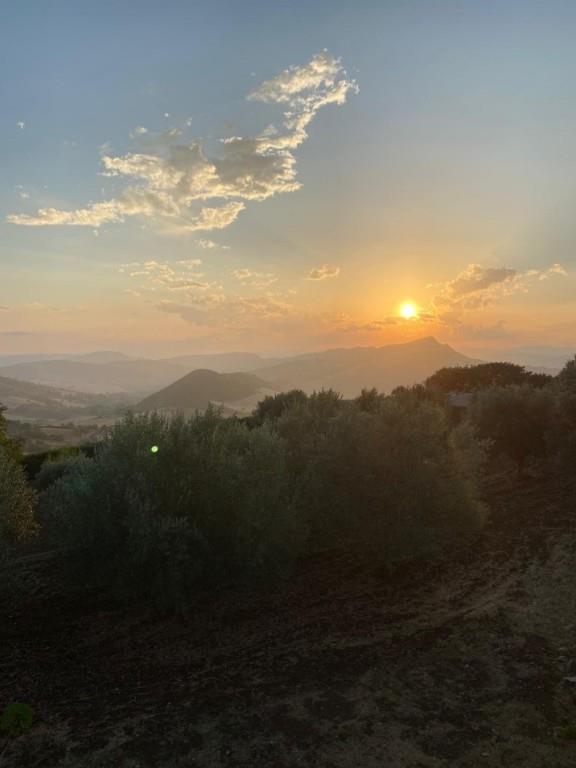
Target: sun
{"x": 408, "y": 310}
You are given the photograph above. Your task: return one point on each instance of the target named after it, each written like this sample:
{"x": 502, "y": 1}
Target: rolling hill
{"x": 346, "y": 370}
{"x": 196, "y": 390}
{"x": 102, "y": 356}
{"x": 113, "y": 372}
{"x": 116, "y": 376}
{"x": 28, "y": 401}
{"x": 349, "y": 370}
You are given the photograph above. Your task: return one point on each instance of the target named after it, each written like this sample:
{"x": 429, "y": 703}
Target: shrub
{"x": 566, "y": 379}
{"x": 515, "y": 419}
{"x": 393, "y": 482}
{"x": 273, "y": 406}
{"x": 54, "y": 467}
{"x": 212, "y": 504}
{"x": 12, "y": 447}
{"x": 417, "y": 394}
{"x": 17, "y": 502}
{"x": 369, "y": 400}
{"x": 561, "y": 432}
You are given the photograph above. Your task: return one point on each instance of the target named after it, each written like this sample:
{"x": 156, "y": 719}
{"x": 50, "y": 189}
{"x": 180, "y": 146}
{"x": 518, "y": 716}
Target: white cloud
{"x": 323, "y": 272}
{"x": 93, "y": 216}
{"x": 304, "y": 90}
{"x": 190, "y": 263}
{"x": 210, "y": 244}
{"x": 254, "y": 279}
{"x": 173, "y": 183}
{"x": 156, "y": 275}
{"x": 21, "y": 124}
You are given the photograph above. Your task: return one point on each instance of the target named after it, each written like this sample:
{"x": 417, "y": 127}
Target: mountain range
{"x": 346, "y": 370}
{"x": 115, "y": 373}
{"x": 102, "y": 380}
{"x": 349, "y": 370}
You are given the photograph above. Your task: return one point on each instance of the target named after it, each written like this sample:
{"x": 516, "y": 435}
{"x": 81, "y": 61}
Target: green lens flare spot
{"x": 154, "y": 449}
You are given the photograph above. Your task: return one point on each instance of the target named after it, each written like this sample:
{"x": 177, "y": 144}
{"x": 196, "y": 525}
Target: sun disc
{"x": 408, "y": 310}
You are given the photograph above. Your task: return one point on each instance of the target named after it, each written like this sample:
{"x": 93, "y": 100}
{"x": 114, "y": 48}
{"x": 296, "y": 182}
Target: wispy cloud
{"x": 174, "y": 183}
{"x": 230, "y": 313}
{"x": 323, "y": 272}
{"x": 154, "y": 275}
{"x": 211, "y": 245}
{"x": 254, "y": 279}
{"x": 477, "y": 287}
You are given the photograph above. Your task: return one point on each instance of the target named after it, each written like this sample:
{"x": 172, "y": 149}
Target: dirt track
{"x": 453, "y": 664}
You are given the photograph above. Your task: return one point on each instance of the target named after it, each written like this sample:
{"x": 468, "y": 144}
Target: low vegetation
{"x": 17, "y": 502}
{"x": 165, "y": 506}
{"x": 170, "y": 505}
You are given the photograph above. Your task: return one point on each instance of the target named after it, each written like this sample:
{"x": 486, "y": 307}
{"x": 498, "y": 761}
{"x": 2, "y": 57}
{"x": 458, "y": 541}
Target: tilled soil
{"x": 454, "y": 663}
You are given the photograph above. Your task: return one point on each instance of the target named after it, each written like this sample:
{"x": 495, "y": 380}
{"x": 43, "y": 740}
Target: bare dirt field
{"x": 456, "y": 663}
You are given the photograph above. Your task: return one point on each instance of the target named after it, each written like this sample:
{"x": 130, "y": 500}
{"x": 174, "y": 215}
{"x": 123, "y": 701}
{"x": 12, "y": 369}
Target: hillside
{"x": 453, "y": 664}
{"x": 116, "y": 376}
{"x": 346, "y": 370}
{"x": 113, "y": 372}
{"x": 226, "y": 362}
{"x": 102, "y": 356}
{"x": 29, "y": 401}
{"x": 349, "y": 370}
{"x": 199, "y": 388}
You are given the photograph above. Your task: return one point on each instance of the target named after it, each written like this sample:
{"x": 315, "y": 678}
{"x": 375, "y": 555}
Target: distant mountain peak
{"x": 198, "y": 388}
{"x": 427, "y": 341}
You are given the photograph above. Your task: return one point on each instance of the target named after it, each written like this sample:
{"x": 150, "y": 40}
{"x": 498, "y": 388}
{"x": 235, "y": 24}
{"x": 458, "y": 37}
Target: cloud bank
{"x": 180, "y": 187}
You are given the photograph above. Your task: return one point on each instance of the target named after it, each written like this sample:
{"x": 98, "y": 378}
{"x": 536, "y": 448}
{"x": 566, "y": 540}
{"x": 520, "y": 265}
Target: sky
{"x": 285, "y": 177}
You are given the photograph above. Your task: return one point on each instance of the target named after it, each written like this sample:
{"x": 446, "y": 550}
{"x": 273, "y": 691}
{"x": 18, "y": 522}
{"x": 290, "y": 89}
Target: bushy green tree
{"x": 561, "y": 433}
{"x": 167, "y": 505}
{"x": 13, "y": 447}
{"x": 17, "y": 502}
{"x": 273, "y": 406}
{"x": 369, "y": 400}
{"x": 473, "y": 378}
{"x": 566, "y": 379}
{"x": 390, "y": 481}
{"x": 55, "y": 466}
{"x": 416, "y": 394}
{"x": 515, "y": 420}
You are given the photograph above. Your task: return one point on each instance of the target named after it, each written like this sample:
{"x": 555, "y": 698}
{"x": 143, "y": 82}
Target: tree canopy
{"x": 472, "y": 378}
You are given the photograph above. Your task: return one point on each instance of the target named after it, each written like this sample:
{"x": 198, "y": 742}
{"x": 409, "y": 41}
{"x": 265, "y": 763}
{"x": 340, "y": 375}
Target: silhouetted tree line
{"x": 165, "y": 505}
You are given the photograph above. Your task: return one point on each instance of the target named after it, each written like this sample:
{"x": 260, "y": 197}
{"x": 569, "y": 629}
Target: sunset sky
{"x": 283, "y": 176}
